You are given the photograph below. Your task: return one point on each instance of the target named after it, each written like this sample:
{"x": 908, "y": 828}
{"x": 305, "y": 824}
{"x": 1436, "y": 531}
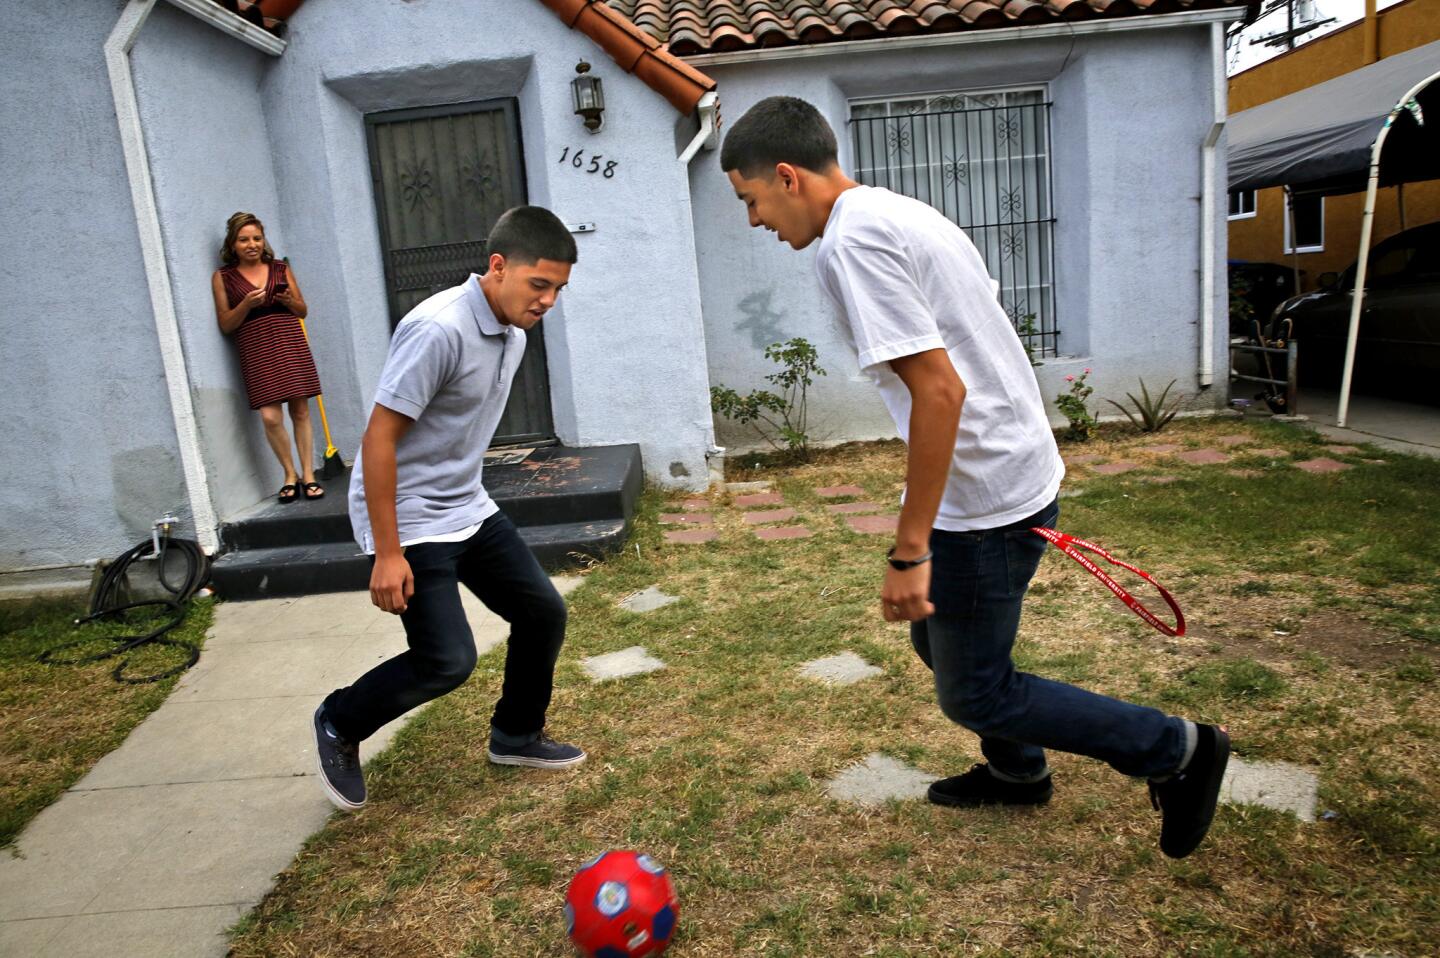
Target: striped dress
{"x": 274, "y": 357}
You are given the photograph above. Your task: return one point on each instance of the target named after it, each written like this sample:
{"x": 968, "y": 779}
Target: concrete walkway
{"x": 175, "y": 835}
{"x": 1397, "y": 426}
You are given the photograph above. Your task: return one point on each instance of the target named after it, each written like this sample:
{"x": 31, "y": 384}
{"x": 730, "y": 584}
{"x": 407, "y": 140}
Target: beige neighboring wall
{"x": 1262, "y": 237}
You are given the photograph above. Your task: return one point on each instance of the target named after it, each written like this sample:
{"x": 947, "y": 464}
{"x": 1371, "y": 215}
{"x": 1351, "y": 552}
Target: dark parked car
{"x": 1398, "y": 348}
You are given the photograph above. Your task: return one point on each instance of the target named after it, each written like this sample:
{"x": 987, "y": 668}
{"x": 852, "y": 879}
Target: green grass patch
{"x": 57, "y": 721}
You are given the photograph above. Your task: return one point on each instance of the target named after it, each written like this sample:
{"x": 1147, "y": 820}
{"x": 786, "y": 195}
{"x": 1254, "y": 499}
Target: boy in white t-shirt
{"x": 921, "y": 312}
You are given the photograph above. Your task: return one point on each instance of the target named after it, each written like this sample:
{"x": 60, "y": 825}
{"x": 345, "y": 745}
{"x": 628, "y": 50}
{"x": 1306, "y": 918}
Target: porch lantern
{"x": 589, "y": 97}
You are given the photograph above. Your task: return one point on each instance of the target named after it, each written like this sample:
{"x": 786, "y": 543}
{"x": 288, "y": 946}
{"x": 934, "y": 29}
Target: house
{"x": 1327, "y": 229}
{"x": 1080, "y": 141}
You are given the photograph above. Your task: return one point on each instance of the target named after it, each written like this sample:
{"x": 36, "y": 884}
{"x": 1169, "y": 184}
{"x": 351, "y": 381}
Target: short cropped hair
{"x": 527, "y": 234}
{"x": 779, "y": 129}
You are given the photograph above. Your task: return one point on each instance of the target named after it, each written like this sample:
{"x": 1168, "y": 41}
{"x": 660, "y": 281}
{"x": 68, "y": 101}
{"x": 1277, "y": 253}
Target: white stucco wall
{"x": 625, "y": 346}
{"x": 1126, "y": 141}
{"x": 88, "y": 455}
{"x": 210, "y": 152}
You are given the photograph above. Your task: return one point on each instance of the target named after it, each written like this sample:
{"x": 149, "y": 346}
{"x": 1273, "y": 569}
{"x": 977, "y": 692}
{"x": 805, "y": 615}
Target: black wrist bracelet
{"x": 903, "y": 564}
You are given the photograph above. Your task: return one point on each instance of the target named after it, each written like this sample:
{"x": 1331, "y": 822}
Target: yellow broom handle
{"x": 330, "y": 449}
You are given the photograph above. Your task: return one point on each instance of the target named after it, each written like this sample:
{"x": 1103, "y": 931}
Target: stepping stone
{"x": 873, "y": 525}
{"x": 878, "y": 779}
{"x": 759, "y": 499}
{"x": 1278, "y": 785}
{"x": 1268, "y": 453}
{"x": 758, "y": 485}
{"x": 1203, "y": 457}
{"x": 772, "y": 515}
{"x": 695, "y": 505}
{"x": 686, "y": 519}
{"x": 1232, "y": 440}
{"x": 1162, "y": 449}
{"x": 1070, "y": 493}
{"x": 1115, "y": 468}
{"x": 647, "y": 601}
{"x": 847, "y": 508}
{"x": 1375, "y": 462}
{"x": 623, "y": 664}
{"x": 692, "y": 535}
{"x": 783, "y": 532}
{"x": 1244, "y": 473}
{"x": 837, "y": 492}
{"x": 1084, "y": 460}
{"x": 847, "y": 668}
{"x": 1343, "y": 450}
{"x": 1161, "y": 480}
{"x": 1322, "y": 464}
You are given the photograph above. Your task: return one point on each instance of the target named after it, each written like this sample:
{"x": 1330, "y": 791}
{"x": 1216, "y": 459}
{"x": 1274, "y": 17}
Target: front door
{"x": 443, "y": 175}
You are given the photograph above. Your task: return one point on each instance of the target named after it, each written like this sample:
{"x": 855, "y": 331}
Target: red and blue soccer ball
{"x": 621, "y": 905}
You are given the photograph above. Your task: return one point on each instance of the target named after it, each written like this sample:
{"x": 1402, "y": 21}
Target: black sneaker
{"x": 339, "y": 762}
{"x": 978, "y": 787}
{"x": 1186, "y": 800}
{"x": 544, "y": 752}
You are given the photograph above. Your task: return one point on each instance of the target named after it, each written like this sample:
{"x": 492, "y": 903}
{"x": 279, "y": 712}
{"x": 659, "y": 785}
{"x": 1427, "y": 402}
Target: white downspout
{"x": 706, "y": 137}
{"x": 152, "y": 241}
{"x": 1367, "y": 222}
{"x": 1205, "y": 376}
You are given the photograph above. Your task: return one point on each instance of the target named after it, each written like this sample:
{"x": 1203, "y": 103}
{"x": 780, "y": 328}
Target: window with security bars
{"x": 983, "y": 160}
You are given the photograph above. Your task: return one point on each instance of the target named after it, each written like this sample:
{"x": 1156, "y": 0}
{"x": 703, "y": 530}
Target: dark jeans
{"x": 500, "y": 569}
{"x": 977, "y": 584}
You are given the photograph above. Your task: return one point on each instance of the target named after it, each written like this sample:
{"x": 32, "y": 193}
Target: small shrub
{"x": 780, "y": 419}
{"x": 1028, "y": 331}
{"x": 1073, "y": 406}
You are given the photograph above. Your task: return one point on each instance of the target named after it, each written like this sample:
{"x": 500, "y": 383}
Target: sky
{"x": 1242, "y": 53}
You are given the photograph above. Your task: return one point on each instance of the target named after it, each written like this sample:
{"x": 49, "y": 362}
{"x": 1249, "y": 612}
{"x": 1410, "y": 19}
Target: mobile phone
{"x": 280, "y": 288}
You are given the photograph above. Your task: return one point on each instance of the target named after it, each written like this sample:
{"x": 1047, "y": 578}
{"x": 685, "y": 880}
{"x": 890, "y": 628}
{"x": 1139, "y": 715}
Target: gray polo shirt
{"x": 450, "y": 368}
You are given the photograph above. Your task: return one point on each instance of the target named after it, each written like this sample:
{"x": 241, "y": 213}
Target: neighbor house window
{"x": 1242, "y": 204}
{"x": 983, "y": 160}
{"x": 1306, "y": 234}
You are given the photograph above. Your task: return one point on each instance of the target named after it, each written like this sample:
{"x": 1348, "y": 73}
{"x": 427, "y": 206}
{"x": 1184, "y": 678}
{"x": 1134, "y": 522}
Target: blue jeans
{"x": 978, "y": 584}
{"x": 499, "y": 568}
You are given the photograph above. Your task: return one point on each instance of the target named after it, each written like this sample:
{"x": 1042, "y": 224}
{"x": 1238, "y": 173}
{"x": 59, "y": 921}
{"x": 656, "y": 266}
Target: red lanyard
{"x": 1068, "y": 544}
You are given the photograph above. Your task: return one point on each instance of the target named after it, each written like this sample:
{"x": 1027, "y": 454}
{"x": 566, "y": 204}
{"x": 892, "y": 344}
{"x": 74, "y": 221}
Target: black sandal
{"x": 288, "y": 493}
{"x": 312, "y": 489}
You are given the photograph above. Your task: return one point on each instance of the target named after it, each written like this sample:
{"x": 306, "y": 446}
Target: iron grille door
{"x": 442, "y": 176}
{"x": 983, "y": 160}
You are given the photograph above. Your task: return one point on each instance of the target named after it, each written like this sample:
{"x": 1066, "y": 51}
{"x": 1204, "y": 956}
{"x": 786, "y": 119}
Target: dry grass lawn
{"x": 1315, "y": 622}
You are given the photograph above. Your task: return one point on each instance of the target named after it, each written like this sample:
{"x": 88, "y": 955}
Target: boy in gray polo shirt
{"x": 418, "y": 506}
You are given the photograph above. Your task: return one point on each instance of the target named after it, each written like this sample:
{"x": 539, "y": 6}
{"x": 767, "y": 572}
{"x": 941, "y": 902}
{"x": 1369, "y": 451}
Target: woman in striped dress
{"x": 258, "y": 302}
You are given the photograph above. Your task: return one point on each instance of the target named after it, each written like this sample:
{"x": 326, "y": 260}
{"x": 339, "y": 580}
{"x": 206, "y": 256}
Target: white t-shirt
{"x": 906, "y": 280}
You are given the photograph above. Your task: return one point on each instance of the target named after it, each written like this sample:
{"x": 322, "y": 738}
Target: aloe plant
{"x": 1153, "y": 413}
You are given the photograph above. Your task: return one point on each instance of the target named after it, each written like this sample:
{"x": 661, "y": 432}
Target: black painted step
{"x": 341, "y": 566}
{"x": 554, "y": 485}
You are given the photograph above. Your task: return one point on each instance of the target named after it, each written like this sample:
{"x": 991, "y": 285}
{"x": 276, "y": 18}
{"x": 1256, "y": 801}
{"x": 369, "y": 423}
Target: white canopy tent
{"x": 1360, "y": 131}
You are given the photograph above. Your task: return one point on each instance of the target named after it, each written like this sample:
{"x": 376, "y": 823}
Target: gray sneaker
{"x": 544, "y": 752}
{"x": 339, "y": 761}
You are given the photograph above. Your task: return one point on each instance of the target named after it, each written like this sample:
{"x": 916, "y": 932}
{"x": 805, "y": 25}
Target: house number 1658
{"x": 578, "y": 161}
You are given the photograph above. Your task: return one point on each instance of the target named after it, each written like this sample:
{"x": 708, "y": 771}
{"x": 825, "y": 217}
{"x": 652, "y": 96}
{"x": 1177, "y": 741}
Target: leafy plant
{"x": 1028, "y": 331}
{"x": 1241, "y": 309}
{"x": 1073, "y": 406}
{"x": 1153, "y": 413}
{"x": 781, "y": 419}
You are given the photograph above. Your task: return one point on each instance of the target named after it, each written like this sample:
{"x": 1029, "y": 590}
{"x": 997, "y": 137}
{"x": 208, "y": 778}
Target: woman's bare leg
{"x": 274, "y": 418}
{"x": 304, "y": 437}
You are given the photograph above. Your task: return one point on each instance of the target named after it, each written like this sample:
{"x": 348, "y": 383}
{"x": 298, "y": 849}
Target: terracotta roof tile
{"x": 690, "y": 27}
{"x": 635, "y": 50}
{"x": 648, "y": 37}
